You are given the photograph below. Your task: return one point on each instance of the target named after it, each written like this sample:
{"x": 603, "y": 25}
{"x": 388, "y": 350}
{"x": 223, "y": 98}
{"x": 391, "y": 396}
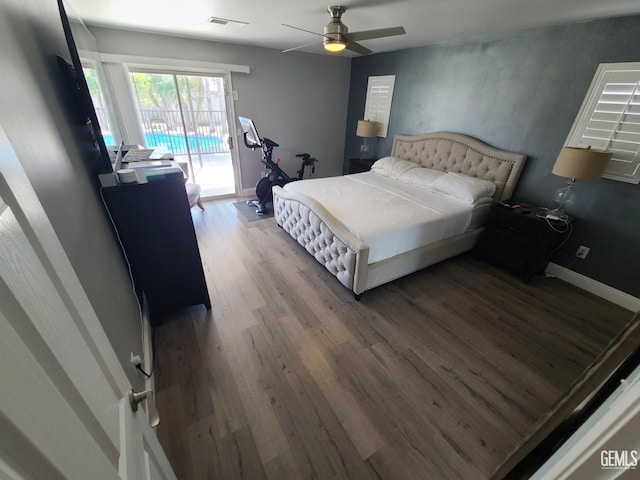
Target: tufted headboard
{"x": 454, "y": 152}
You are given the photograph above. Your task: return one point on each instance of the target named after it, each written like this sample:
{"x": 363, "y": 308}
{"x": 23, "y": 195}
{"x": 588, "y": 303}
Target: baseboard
{"x": 593, "y": 286}
{"x": 248, "y": 192}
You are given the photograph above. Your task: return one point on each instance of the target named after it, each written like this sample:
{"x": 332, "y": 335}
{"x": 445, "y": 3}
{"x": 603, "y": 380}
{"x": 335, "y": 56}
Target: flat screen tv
{"x": 78, "y": 105}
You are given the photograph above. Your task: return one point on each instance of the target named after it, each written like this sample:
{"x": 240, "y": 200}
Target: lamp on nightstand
{"x": 576, "y": 164}
{"x": 366, "y": 129}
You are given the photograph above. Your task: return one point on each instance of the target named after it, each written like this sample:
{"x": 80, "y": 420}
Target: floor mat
{"x": 249, "y": 211}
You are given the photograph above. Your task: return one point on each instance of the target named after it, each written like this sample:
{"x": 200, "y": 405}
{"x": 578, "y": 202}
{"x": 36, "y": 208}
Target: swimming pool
{"x": 176, "y": 142}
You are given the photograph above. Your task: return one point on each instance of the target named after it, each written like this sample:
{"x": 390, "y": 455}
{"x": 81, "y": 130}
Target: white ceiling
{"x": 426, "y": 21}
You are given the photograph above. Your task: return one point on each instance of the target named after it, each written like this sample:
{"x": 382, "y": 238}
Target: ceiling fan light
{"x": 334, "y": 46}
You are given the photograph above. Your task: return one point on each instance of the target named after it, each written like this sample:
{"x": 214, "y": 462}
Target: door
{"x": 187, "y": 115}
{"x": 64, "y": 406}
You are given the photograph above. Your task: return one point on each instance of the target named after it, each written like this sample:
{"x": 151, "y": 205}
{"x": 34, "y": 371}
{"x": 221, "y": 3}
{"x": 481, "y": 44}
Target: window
{"x": 378, "y": 103}
{"x": 609, "y": 119}
{"x": 98, "y": 99}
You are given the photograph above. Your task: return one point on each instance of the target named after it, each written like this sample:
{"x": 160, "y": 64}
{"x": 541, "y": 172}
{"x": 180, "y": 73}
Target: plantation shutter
{"x": 378, "y": 102}
{"x": 609, "y": 119}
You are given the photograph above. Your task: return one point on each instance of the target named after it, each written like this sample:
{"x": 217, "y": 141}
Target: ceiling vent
{"x": 227, "y": 22}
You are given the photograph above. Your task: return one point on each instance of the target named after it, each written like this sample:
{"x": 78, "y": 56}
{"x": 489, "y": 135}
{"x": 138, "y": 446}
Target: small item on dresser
{"x": 137, "y": 154}
{"x": 521, "y": 208}
{"x": 161, "y": 173}
{"x": 127, "y": 175}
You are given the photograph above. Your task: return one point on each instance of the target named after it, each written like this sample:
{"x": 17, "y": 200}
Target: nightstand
{"x": 520, "y": 242}
{"x": 357, "y": 165}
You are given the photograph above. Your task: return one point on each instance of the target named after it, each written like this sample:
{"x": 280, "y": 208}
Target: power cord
{"x": 133, "y": 287}
{"x": 148, "y": 375}
{"x": 554, "y": 224}
{"x": 559, "y": 226}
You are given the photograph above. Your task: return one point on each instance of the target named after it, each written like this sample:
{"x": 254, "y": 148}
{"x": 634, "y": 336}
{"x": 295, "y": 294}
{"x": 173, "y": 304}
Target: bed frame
{"x": 346, "y": 256}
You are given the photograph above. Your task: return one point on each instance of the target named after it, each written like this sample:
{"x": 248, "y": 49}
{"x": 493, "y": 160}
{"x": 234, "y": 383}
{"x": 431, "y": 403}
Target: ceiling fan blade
{"x": 299, "y": 47}
{"x": 356, "y": 47}
{"x": 379, "y": 33}
{"x": 302, "y": 29}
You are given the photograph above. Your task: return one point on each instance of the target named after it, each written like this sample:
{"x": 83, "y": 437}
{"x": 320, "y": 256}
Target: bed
{"x": 424, "y": 203}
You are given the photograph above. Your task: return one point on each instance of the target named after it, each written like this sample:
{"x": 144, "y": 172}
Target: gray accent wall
{"x": 296, "y": 99}
{"x": 521, "y": 92}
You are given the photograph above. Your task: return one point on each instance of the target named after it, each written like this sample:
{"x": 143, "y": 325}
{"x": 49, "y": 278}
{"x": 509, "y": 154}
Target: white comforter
{"x": 389, "y": 216}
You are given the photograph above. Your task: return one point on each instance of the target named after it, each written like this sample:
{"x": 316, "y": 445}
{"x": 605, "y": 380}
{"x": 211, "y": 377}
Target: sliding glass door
{"x": 187, "y": 116}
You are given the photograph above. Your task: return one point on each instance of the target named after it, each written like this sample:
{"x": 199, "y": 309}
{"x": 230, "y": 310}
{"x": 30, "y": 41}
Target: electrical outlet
{"x": 582, "y": 252}
{"x": 136, "y": 360}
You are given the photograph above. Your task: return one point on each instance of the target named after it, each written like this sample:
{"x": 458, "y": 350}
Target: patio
{"x": 212, "y": 171}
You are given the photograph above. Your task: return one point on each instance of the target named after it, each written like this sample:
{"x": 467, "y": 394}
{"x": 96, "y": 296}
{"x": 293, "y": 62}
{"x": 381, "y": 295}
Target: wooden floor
{"x": 435, "y": 376}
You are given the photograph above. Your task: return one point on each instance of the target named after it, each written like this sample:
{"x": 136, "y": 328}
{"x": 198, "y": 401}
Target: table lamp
{"x": 576, "y": 164}
{"x": 366, "y": 129}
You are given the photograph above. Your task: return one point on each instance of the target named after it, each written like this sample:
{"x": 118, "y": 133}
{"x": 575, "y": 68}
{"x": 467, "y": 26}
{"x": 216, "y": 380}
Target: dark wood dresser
{"x": 154, "y": 223}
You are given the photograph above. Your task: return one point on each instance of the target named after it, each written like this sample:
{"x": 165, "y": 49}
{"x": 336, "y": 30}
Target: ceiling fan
{"x": 337, "y": 37}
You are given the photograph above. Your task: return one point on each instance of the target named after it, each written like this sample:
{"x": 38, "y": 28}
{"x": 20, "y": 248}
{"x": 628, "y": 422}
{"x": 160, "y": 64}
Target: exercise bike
{"x": 274, "y": 175}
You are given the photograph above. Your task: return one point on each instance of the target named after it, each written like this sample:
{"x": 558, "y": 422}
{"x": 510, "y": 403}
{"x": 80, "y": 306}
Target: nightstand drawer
{"x": 506, "y": 258}
{"x": 509, "y": 241}
{"x": 520, "y": 229}
{"x": 507, "y": 221}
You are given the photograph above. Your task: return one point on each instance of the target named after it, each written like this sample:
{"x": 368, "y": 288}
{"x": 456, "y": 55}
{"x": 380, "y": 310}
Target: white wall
{"x": 298, "y": 100}
{"x": 33, "y": 118}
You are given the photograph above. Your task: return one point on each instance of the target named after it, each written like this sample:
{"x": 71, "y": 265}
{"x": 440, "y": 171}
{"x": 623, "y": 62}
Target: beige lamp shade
{"x": 367, "y": 128}
{"x": 581, "y": 163}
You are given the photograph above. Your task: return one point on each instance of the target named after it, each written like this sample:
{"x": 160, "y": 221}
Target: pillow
{"x": 420, "y": 177}
{"x": 392, "y": 167}
{"x": 463, "y": 187}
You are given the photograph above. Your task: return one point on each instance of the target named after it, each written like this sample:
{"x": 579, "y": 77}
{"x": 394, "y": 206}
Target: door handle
{"x": 136, "y": 398}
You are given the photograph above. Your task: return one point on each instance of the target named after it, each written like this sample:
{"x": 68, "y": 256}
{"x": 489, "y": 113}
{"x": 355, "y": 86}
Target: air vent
{"x": 227, "y": 22}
